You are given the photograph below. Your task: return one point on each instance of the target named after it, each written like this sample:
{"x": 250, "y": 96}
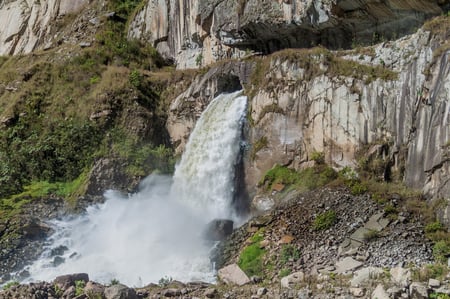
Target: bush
{"x": 434, "y": 227}
{"x": 318, "y": 157}
{"x": 289, "y": 252}
{"x": 324, "y": 220}
{"x": 251, "y": 258}
{"x": 441, "y": 250}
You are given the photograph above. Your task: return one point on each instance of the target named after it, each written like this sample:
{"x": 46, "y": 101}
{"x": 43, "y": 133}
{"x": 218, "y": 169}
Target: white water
{"x": 156, "y": 232}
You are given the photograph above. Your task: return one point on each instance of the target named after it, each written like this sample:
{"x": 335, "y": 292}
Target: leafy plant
{"x": 284, "y": 272}
{"x": 289, "y": 252}
{"x": 164, "y": 281}
{"x": 79, "y": 287}
{"x": 441, "y": 250}
{"x": 251, "y": 257}
{"x": 434, "y": 227}
{"x": 318, "y": 157}
{"x": 324, "y": 220}
{"x": 114, "y": 281}
{"x": 10, "y": 284}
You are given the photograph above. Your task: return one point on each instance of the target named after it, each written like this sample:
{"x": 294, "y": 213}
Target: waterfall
{"x": 157, "y": 232}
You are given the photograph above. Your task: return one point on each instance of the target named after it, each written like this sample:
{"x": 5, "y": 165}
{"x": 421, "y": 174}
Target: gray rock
{"x": 347, "y": 264}
{"x": 364, "y": 275}
{"x": 120, "y": 291}
{"x": 261, "y": 291}
{"x": 380, "y": 293}
{"x": 357, "y": 292}
{"x": 291, "y": 280}
{"x": 64, "y": 281}
{"x": 210, "y": 293}
{"x": 418, "y": 290}
{"x": 232, "y": 274}
{"x": 401, "y": 276}
{"x": 218, "y": 229}
{"x": 434, "y": 283}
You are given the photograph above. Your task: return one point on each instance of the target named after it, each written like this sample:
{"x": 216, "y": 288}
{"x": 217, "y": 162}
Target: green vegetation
{"x": 79, "y": 287}
{"x": 114, "y": 282}
{"x": 284, "y": 272}
{"x": 371, "y": 235}
{"x": 164, "y": 281}
{"x": 441, "y": 250}
{"x": 10, "y": 284}
{"x": 289, "y": 252}
{"x": 307, "y": 179}
{"x": 434, "y": 227}
{"x": 318, "y": 157}
{"x": 251, "y": 257}
{"x": 324, "y": 220}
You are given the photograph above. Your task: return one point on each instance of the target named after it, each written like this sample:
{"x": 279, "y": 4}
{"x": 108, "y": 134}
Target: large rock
{"x": 65, "y": 281}
{"x": 218, "y": 229}
{"x": 291, "y": 280}
{"x": 232, "y": 274}
{"x": 120, "y": 291}
{"x": 380, "y": 293}
{"x": 401, "y": 276}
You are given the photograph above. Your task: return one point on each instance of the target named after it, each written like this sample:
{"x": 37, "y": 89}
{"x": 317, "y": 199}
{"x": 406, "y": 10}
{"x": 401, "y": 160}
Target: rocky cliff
{"x": 32, "y": 25}
{"x": 388, "y": 101}
{"x": 196, "y": 33}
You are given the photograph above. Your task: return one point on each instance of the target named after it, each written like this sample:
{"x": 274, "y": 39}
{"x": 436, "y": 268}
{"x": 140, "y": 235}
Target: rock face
{"x": 394, "y": 95}
{"x": 194, "y": 33}
{"x": 28, "y": 25}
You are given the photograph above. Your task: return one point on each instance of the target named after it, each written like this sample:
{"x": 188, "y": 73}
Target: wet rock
{"x": 171, "y": 292}
{"x": 210, "y": 293}
{"x": 218, "y": 229}
{"x": 65, "y": 281}
{"x": 93, "y": 289}
{"x": 120, "y": 291}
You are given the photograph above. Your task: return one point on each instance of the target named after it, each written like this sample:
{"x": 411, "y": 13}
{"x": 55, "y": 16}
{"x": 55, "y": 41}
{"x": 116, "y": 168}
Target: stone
{"x": 364, "y": 275}
{"x": 380, "y": 293}
{"x": 360, "y": 234}
{"x": 64, "y": 281}
{"x": 210, "y": 293}
{"x": 347, "y": 264}
{"x": 291, "y": 280}
{"x": 120, "y": 291}
{"x": 434, "y": 283}
{"x": 261, "y": 291}
{"x": 94, "y": 289}
{"x": 357, "y": 292}
{"x": 286, "y": 239}
{"x": 218, "y": 229}
{"x": 401, "y": 276}
{"x": 232, "y": 274}
{"x": 418, "y": 290}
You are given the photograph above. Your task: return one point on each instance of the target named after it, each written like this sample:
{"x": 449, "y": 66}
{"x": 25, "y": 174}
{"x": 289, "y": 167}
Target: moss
{"x": 324, "y": 220}
{"x": 306, "y": 179}
{"x": 251, "y": 257}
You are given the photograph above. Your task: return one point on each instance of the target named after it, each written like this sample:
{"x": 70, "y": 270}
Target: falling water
{"x": 156, "y": 232}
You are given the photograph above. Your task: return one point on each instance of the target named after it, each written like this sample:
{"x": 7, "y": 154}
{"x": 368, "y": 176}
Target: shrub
{"x": 371, "y": 235}
{"x": 10, "y": 284}
{"x": 289, "y": 252}
{"x": 441, "y": 250}
{"x": 434, "y": 227}
{"x": 284, "y": 272}
{"x": 318, "y": 157}
{"x": 79, "y": 287}
{"x": 251, "y": 258}
{"x": 324, "y": 220}
{"x": 164, "y": 281}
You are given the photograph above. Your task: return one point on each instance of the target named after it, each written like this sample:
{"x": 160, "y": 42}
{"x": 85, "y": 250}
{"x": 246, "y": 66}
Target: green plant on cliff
{"x": 257, "y": 146}
{"x": 251, "y": 257}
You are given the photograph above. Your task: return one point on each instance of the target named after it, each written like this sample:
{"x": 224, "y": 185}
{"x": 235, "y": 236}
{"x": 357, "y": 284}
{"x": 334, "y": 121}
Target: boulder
{"x": 401, "y": 276}
{"x": 364, "y": 275}
{"x": 218, "y": 229}
{"x": 65, "y": 281}
{"x": 120, "y": 291}
{"x": 232, "y": 274}
{"x": 289, "y": 281}
{"x": 380, "y": 293}
{"x": 418, "y": 290}
{"x": 347, "y": 264}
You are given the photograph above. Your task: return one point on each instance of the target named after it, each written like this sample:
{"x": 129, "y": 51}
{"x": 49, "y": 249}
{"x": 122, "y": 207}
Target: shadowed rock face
{"x": 197, "y": 32}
